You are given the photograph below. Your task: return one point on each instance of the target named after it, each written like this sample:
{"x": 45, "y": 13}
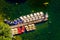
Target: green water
{"x": 44, "y": 31}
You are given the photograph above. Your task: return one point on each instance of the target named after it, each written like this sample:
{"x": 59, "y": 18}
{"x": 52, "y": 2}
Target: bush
{"x": 5, "y": 32}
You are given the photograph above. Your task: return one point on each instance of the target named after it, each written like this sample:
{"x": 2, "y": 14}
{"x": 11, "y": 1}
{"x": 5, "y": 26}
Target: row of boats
{"x": 26, "y": 23}
{"x": 23, "y": 29}
{"x": 31, "y": 18}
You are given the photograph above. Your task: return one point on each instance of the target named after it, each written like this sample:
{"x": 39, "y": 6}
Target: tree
{"x": 5, "y": 32}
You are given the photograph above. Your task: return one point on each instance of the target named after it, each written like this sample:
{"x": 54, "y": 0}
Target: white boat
{"x": 38, "y": 13}
{"x": 32, "y": 17}
{"x": 14, "y": 31}
{"x": 27, "y": 28}
{"x": 41, "y": 14}
{"x": 36, "y": 16}
{"x": 30, "y": 27}
{"x": 39, "y": 17}
{"x": 33, "y": 26}
{"x": 46, "y": 16}
{"x": 23, "y": 19}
